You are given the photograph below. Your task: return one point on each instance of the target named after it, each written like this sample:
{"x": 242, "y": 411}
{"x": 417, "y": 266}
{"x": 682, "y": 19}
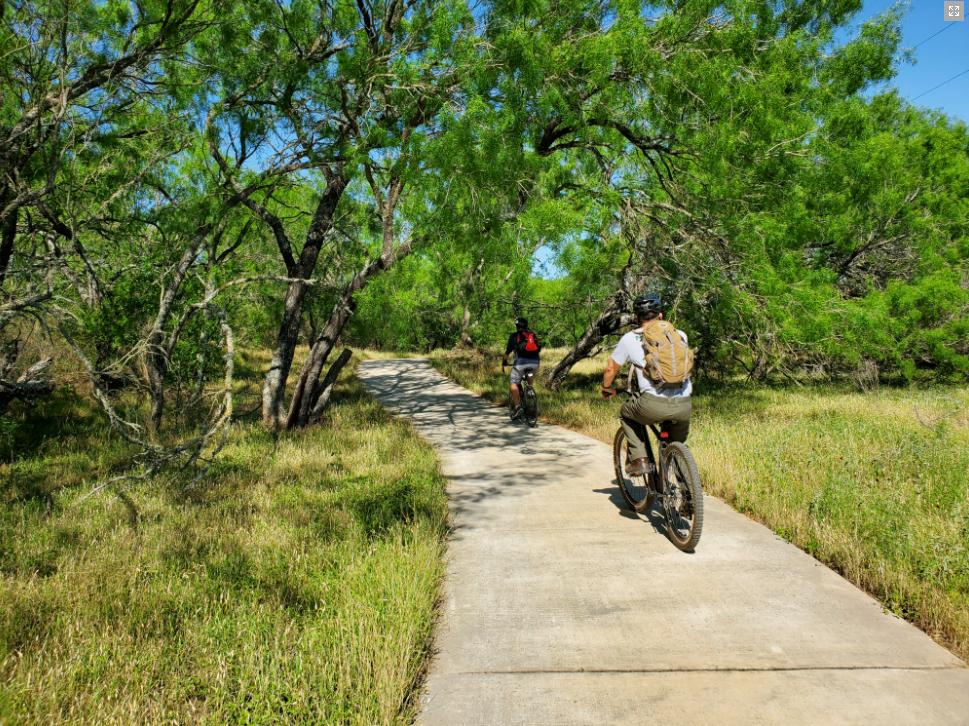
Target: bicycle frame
{"x": 529, "y": 374}
{"x": 656, "y": 463}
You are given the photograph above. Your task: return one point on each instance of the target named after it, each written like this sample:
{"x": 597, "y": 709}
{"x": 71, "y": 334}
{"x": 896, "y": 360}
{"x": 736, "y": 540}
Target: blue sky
{"x": 937, "y": 60}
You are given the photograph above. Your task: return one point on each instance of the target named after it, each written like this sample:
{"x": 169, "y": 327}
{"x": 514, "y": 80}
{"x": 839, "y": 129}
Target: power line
{"x": 947, "y": 26}
{"x": 942, "y": 84}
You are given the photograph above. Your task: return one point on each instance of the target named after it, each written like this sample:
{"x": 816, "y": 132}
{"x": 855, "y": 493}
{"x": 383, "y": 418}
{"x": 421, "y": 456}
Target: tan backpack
{"x": 669, "y": 362}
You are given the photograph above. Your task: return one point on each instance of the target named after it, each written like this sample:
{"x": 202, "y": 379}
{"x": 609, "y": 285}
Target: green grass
{"x": 852, "y": 478}
{"x": 297, "y": 586}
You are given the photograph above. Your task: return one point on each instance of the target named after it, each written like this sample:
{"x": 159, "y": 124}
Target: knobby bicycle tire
{"x": 683, "y": 497}
{"x": 531, "y": 406}
{"x": 637, "y": 492}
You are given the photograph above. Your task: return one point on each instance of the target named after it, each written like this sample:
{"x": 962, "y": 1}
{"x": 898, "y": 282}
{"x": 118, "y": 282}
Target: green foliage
{"x": 118, "y": 322}
{"x": 725, "y": 155}
{"x": 405, "y": 311}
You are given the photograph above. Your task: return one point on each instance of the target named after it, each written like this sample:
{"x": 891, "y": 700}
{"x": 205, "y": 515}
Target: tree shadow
{"x": 653, "y": 516}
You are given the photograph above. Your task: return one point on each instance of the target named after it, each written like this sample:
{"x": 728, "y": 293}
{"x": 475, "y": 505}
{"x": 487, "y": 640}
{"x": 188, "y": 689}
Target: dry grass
{"x": 297, "y": 587}
{"x": 853, "y": 478}
{"x": 371, "y": 354}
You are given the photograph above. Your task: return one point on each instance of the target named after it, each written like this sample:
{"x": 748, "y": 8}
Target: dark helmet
{"x": 647, "y": 306}
{"x": 521, "y": 324}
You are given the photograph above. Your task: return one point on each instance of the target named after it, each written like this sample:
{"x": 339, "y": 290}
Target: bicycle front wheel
{"x": 635, "y": 489}
{"x": 531, "y": 406}
{"x": 683, "y": 497}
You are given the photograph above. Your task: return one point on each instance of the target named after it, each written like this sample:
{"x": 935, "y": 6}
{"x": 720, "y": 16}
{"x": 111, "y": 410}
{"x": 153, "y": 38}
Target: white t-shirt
{"x": 630, "y": 348}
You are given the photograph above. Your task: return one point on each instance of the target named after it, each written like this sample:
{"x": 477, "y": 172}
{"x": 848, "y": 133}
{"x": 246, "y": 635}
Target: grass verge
{"x": 296, "y": 587}
{"x": 876, "y": 485}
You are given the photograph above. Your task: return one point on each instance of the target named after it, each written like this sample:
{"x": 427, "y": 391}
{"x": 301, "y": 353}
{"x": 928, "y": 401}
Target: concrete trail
{"x": 564, "y": 607}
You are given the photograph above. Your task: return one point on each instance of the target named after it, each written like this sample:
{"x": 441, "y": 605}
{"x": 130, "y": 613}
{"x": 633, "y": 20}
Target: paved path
{"x": 564, "y": 607}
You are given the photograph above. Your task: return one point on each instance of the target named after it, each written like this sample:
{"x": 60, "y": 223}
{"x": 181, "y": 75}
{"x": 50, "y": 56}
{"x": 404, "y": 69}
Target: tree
{"x": 732, "y": 235}
{"x": 80, "y": 130}
{"x": 349, "y": 91}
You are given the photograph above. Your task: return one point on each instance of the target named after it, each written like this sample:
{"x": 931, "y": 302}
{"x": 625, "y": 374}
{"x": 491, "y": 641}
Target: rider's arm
{"x": 612, "y": 368}
{"x": 618, "y": 359}
{"x": 508, "y": 349}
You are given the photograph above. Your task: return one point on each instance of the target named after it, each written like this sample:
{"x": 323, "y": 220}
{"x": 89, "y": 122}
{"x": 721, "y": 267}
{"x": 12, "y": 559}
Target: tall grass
{"x": 297, "y": 586}
{"x": 874, "y": 484}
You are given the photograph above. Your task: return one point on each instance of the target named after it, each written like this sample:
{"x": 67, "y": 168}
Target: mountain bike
{"x": 528, "y": 397}
{"x": 672, "y": 478}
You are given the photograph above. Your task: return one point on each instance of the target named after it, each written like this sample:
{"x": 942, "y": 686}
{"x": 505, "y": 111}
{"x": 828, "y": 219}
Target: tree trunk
{"x": 157, "y": 359}
{"x": 469, "y": 286}
{"x": 611, "y": 320}
{"x": 326, "y": 388}
{"x": 274, "y": 389}
{"x": 466, "y": 328}
{"x": 8, "y": 231}
{"x": 302, "y": 405}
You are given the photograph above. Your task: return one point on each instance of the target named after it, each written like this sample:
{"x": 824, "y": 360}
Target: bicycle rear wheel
{"x": 531, "y": 406}
{"x": 683, "y": 497}
{"x": 637, "y": 492}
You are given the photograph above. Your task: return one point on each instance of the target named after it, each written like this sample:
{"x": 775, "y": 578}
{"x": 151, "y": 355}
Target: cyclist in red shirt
{"x": 525, "y": 346}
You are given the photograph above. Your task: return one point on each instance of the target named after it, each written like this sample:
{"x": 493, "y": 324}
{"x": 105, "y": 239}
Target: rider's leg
{"x": 637, "y": 448}
{"x": 516, "y": 378}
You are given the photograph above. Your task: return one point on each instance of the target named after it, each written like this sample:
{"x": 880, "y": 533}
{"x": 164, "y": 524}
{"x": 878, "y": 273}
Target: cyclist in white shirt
{"x": 650, "y": 405}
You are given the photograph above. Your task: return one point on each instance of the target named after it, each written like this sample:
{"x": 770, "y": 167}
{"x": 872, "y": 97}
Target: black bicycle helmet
{"x": 521, "y": 324}
{"x": 647, "y": 306}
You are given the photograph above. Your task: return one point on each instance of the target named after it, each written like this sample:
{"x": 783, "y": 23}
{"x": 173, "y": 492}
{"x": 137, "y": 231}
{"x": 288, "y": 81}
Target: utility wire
{"x": 947, "y": 26}
{"x": 941, "y": 84}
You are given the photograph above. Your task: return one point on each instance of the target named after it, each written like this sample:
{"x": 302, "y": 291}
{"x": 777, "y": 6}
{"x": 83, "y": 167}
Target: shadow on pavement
{"x": 519, "y": 461}
{"x": 653, "y": 516}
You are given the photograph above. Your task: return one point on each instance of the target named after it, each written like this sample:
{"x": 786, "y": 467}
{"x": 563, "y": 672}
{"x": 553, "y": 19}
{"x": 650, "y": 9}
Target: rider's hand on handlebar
{"x": 609, "y": 392}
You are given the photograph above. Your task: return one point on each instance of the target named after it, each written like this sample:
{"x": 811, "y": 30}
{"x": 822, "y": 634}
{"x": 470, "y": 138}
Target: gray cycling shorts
{"x": 518, "y": 370}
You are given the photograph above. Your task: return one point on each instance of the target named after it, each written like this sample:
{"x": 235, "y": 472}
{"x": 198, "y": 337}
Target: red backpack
{"x": 527, "y": 342}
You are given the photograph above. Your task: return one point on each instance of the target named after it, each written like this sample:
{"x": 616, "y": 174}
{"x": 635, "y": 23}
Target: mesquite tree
{"x": 78, "y": 130}
{"x": 757, "y": 105}
{"x": 334, "y": 94}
